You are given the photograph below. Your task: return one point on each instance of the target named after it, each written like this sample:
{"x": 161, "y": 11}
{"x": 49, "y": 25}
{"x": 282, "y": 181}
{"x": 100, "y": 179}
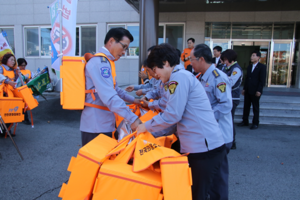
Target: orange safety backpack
{"x": 72, "y": 75}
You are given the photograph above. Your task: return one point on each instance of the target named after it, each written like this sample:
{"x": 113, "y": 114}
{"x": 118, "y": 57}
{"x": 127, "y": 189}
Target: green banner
{"x": 39, "y": 84}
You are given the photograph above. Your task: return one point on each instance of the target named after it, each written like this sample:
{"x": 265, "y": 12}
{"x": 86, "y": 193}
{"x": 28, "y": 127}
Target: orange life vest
{"x": 26, "y": 72}
{"x": 113, "y": 74}
{"x": 9, "y": 74}
{"x": 144, "y": 70}
{"x": 186, "y": 53}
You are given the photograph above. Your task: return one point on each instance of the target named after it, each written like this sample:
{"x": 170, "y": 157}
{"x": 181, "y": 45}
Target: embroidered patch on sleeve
{"x": 105, "y": 72}
{"x": 172, "y": 86}
{"x": 222, "y": 87}
{"x": 234, "y": 73}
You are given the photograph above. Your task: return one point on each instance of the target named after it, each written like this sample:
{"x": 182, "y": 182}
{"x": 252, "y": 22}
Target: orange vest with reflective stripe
{"x": 9, "y": 74}
{"x": 113, "y": 74}
{"x": 25, "y": 72}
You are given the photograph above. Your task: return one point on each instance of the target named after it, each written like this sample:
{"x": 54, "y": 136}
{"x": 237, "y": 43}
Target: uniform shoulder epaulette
{"x": 103, "y": 60}
{"x": 216, "y": 73}
{"x": 176, "y": 70}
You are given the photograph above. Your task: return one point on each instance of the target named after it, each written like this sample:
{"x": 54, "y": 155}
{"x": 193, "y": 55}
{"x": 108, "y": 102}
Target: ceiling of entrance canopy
{"x": 222, "y": 5}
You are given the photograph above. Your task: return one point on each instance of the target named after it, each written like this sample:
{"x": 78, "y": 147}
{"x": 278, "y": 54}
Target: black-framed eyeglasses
{"x": 23, "y": 65}
{"x": 125, "y": 47}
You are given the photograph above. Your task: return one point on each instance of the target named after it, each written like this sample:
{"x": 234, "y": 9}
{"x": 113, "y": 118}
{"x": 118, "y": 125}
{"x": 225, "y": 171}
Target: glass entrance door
{"x": 279, "y": 75}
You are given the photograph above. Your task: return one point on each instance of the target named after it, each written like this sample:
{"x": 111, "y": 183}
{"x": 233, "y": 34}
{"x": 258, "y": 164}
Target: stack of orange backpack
{"x": 15, "y": 102}
{"x": 144, "y": 168}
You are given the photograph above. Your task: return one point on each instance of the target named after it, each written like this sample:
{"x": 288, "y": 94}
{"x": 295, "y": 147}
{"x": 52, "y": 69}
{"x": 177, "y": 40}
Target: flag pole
{"x": 60, "y": 30}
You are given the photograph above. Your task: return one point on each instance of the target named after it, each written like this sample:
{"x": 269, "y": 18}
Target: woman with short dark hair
{"x": 235, "y": 76}
{"x": 8, "y": 69}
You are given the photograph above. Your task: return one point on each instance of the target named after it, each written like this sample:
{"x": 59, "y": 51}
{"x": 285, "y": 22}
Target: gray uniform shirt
{"x": 160, "y": 94}
{"x": 152, "y": 84}
{"x": 98, "y": 76}
{"x": 218, "y": 90}
{"x": 189, "y": 108}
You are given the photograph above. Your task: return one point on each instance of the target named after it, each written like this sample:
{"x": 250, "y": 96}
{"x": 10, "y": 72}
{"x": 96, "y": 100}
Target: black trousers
{"x": 87, "y": 137}
{"x": 219, "y": 187}
{"x": 254, "y": 100}
{"x": 235, "y": 103}
{"x": 26, "y": 116}
{"x": 204, "y": 166}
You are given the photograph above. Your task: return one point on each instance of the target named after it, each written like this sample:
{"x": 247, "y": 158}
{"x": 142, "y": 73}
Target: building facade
{"x": 274, "y": 30}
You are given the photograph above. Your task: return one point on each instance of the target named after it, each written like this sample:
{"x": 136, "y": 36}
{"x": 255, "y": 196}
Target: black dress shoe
{"x": 254, "y": 126}
{"x": 243, "y": 124}
{"x": 233, "y": 146}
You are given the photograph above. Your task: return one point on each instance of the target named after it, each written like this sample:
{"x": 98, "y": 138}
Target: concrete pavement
{"x": 264, "y": 166}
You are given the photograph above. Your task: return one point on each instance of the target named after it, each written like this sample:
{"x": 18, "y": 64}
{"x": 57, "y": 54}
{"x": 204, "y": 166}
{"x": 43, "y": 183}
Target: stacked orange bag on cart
{"x": 138, "y": 167}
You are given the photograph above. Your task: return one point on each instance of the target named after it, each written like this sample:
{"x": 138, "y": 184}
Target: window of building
{"x": 283, "y": 31}
{"x": 172, "y": 34}
{"x": 220, "y": 30}
{"x": 167, "y": 33}
{"x": 9, "y": 36}
{"x": 160, "y": 34}
{"x": 45, "y": 42}
{"x": 251, "y": 31}
{"x": 134, "y": 29}
{"x": 32, "y": 46}
{"x": 207, "y": 30}
{"x": 86, "y": 40}
{"x": 38, "y": 41}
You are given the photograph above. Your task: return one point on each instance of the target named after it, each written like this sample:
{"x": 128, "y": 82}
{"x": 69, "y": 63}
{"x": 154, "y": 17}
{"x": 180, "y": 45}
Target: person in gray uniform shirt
{"x": 99, "y": 75}
{"x": 159, "y": 95}
{"x": 189, "y": 108}
{"x": 142, "y": 89}
{"x": 218, "y": 90}
{"x": 235, "y": 76}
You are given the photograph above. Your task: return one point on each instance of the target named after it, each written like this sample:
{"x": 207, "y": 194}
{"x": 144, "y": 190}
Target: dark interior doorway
{"x": 244, "y": 54}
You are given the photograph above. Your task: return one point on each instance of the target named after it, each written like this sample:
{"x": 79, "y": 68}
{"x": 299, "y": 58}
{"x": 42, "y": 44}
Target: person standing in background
{"x": 235, "y": 76}
{"x": 253, "y": 88}
{"x": 217, "y": 55}
{"x": 22, "y": 63}
{"x": 218, "y": 90}
{"x": 185, "y": 56}
{"x": 144, "y": 74}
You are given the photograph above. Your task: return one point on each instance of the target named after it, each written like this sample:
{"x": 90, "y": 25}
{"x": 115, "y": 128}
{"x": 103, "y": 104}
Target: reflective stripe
{"x": 96, "y": 106}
